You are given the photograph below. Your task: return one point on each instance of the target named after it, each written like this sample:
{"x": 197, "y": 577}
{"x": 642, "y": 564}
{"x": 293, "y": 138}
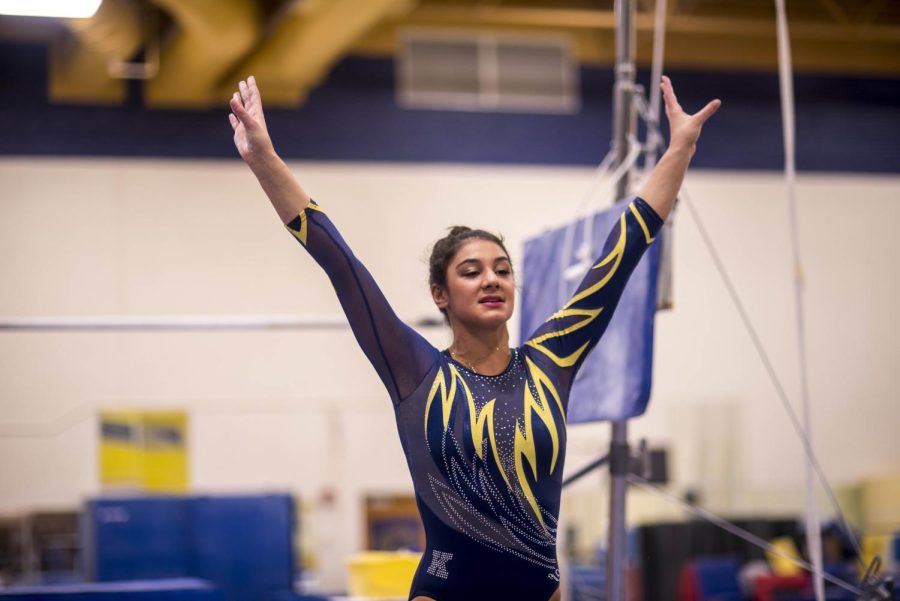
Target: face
{"x": 480, "y": 288}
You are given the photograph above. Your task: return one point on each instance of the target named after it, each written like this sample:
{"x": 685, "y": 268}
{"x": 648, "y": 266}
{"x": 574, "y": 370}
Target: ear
{"x": 439, "y": 296}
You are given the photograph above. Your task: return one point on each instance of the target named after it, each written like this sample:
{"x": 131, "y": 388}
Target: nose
{"x": 490, "y": 279}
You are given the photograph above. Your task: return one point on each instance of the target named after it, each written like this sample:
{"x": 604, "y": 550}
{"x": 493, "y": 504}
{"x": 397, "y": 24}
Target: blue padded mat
{"x": 176, "y": 589}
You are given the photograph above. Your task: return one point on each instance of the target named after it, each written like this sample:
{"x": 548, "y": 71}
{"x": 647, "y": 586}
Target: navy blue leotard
{"x": 485, "y": 452}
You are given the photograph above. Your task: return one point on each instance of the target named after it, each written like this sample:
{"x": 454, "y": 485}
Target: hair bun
{"x": 458, "y": 230}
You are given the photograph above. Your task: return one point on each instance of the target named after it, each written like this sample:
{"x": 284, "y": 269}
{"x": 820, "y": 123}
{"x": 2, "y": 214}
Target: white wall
{"x": 302, "y": 411}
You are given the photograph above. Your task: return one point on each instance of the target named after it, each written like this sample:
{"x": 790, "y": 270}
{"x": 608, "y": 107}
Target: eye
{"x": 470, "y": 274}
{"x": 503, "y": 271}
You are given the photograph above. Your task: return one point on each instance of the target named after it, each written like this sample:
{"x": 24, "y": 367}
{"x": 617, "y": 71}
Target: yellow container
{"x": 781, "y": 565}
{"x": 881, "y": 503}
{"x": 382, "y": 574}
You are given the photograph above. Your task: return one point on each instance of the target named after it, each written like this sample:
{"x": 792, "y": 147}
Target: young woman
{"x": 482, "y": 424}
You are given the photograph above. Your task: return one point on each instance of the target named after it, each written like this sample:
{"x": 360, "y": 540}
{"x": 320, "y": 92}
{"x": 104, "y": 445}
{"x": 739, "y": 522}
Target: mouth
{"x": 492, "y": 301}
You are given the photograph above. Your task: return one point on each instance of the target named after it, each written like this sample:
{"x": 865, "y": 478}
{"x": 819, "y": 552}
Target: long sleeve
{"x": 398, "y": 353}
{"x": 568, "y": 336}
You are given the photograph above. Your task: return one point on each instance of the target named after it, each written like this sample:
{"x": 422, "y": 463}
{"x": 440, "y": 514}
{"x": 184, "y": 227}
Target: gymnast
{"x": 482, "y": 425}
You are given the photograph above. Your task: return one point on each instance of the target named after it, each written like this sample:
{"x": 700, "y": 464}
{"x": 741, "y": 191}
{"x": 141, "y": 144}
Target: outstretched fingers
{"x": 237, "y": 108}
{"x": 669, "y": 97}
{"x": 245, "y": 92}
{"x": 254, "y": 90}
{"x": 249, "y": 97}
{"x": 673, "y": 107}
{"x": 709, "y": 110}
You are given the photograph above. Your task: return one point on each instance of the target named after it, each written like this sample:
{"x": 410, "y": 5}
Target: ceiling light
{"x": 70, "y": 9}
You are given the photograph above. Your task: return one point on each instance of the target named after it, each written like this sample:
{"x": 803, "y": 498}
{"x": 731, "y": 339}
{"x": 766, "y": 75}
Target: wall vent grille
{"x": 487, "y": 72}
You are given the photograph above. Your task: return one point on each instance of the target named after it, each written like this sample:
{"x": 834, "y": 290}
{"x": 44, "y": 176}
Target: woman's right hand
{"x": 251, "y": 138}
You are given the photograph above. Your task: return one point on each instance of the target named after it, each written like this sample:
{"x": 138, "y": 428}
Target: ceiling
{"x": 190, "y": 52}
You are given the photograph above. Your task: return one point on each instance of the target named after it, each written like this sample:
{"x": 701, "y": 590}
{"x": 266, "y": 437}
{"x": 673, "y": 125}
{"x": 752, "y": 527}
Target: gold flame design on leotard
{"x": 524, "y": 448}
{"x": 301, "y": 233}
{"x": 613, "y": 258}
{"x": 478, "y": 420}
{"x": 541, "y": 393}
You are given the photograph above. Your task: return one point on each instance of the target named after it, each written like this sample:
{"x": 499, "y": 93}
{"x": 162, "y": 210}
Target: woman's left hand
{"x": 684, "y": 129}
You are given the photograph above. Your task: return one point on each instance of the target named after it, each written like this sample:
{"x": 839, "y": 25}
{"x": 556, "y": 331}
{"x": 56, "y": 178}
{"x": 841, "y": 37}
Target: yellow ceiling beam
{"x": 835, "y": 10}
{"x": 691, "y": 40}
{"x": 80, "y": 61}
{"x": 566, "y": 18}
{"x": 725, "y": 52}
{"x": 305, "y": 44}
{"x": 212, "y": 35}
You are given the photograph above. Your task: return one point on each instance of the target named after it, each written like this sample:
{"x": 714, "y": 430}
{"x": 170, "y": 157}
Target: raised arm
{"x": 569, "y": 334}
{"x": 661, "y": 188}
{"x": 567, "y": 337}
{"x": 251, "y": 137}
{"x": 401, "y": 356}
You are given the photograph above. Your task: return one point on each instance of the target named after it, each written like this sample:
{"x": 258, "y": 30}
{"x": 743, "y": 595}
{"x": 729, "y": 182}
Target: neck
{"x": 483, "y": 351}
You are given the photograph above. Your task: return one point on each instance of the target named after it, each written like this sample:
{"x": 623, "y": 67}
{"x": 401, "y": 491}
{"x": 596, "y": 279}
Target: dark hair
{"x": 445, "y": 249}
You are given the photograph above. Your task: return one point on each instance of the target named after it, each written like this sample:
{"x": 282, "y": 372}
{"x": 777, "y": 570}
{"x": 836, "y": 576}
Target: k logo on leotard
{"x": 438, "y": 565}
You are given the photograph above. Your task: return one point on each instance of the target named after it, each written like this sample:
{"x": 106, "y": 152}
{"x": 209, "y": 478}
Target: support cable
{"x": 566, "y": 266}
{"x": 786, "y": 88}
{"x": 585, "y": 253}
{"x": 767, "y": 364}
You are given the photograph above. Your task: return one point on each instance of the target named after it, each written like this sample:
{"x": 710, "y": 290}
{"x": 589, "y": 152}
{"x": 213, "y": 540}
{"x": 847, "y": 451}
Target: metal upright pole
{"x": 624, "y": 125}
{"x": 618, "y": 469}
{"x": 624, "y": 116}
